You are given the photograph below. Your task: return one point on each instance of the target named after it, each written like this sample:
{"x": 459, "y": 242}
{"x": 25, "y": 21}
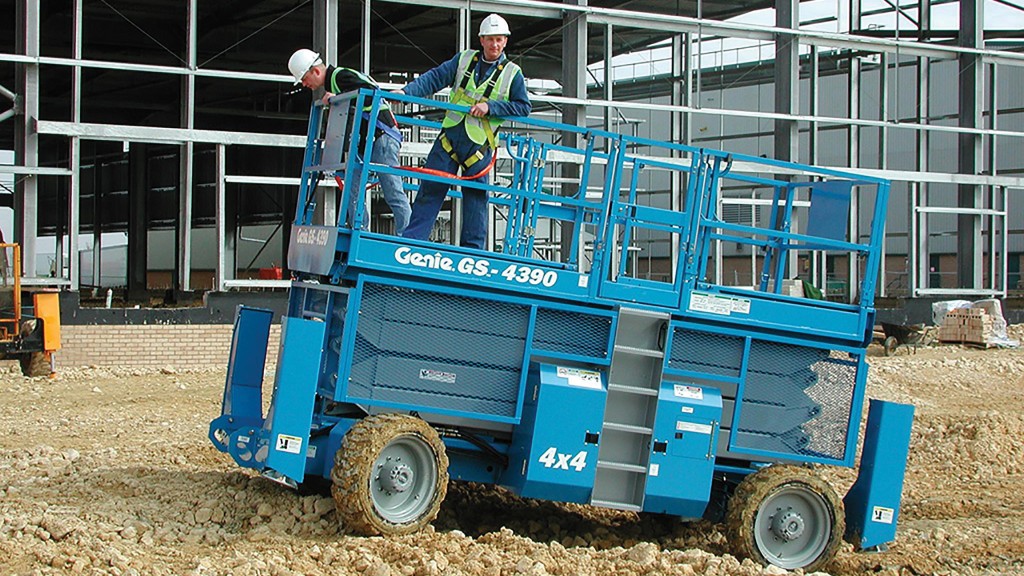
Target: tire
{"x": 35, "y": 364}
{"x": 785, "y": 516}
{"x": 390, "y": 475}
{"x": 890, "y": 345}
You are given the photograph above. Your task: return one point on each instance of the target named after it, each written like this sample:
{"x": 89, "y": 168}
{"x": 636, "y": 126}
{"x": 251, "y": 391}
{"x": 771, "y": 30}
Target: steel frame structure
{"x": 983, "y": 202}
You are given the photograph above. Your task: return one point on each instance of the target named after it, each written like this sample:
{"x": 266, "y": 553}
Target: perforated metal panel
{"x": 427, "y": 350}
{"x": 706, "y": 353}
{"x": 572, "y": 333}
{"x": 796, "y": 400}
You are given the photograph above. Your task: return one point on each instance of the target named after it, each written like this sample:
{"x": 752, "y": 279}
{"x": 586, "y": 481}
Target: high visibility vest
{"x": 334, "y": 87}
{"x": 466, "y": 92}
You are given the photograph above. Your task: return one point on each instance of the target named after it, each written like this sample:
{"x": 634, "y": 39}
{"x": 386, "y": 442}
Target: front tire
{"x": 390, "y": 475}
{"x": 786, "y": 516}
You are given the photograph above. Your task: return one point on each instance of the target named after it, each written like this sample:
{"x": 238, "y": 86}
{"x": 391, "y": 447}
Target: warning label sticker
{"x": 882, "y": 514}
{"x": 684, "y": 426}
{"x": 580, "y": 378}
{"x": 684, "y": 391}
{"x": 720, "y": 305}
{"x": 437, "y": 376}
{"x": 289, "y": 444}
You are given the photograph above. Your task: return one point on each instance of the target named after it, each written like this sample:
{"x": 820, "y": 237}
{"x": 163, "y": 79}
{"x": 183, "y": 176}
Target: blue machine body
{"x": 873, "y": 503}
{"x": 553, "y": 453}
{"x": 579, "y": 377}
{"x": 683, "y": 449}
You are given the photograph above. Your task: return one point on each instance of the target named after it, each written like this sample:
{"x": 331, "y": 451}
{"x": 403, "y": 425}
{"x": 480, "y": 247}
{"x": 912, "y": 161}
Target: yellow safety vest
{"x": 466, "y": 92}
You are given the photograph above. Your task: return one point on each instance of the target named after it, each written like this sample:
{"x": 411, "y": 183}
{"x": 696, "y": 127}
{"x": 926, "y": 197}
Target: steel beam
{"x": 681, "y": 24}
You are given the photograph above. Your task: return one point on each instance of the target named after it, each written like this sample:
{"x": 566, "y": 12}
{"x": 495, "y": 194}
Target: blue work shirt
{"x": 443, "y": 76}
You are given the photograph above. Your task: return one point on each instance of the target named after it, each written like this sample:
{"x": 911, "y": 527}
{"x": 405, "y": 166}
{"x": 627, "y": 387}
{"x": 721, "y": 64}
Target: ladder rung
{"x": 625, "y": 388}
{"x": 627, "y": 428}
{"x": 621, "y": 466}
{"x": 643, "y": 313}
{"x": 616, "y": 505}
{"x": 639, "y": 351}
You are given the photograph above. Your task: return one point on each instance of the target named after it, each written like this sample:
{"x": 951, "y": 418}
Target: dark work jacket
{"x": 346, "y": 80}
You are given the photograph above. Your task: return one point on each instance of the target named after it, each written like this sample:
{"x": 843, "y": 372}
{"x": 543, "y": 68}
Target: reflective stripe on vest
{"x": 466, "y": 92}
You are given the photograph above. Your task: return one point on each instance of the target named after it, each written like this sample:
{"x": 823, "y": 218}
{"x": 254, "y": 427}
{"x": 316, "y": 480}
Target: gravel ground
{"x": 110, "y": 472}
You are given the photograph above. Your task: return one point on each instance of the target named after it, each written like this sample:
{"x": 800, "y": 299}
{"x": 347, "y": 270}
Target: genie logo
{"x": 433, "y": 261}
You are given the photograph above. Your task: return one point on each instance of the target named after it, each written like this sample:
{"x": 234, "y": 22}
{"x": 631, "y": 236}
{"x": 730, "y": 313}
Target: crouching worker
{"x": 494, "y": 89}
{"x": 310, "y": 71}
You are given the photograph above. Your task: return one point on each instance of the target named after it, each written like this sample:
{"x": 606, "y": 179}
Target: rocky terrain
{"x": 110, "y": 472}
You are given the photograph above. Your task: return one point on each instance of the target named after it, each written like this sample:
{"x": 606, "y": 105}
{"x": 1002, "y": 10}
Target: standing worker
{"x": 493, "y": 88}
{"x": 310, "y": 71}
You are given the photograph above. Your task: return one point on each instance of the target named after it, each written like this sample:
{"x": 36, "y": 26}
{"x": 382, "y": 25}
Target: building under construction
{"x": 152, "y": 147}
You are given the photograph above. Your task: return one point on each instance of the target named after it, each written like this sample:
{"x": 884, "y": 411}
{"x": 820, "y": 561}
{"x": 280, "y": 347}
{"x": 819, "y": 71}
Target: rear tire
{"x": 390, "y": 475}
{"x": 35, "y": 364}
{"x": 786, "y": 516}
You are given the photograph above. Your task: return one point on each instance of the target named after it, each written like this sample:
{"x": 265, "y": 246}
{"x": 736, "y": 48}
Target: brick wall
{"x": 178, "y": 346}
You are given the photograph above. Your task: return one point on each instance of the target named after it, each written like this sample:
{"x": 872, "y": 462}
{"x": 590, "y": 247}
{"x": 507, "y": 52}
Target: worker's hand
{"x": 327, "y": 98}
{"x": 479, "y": 109}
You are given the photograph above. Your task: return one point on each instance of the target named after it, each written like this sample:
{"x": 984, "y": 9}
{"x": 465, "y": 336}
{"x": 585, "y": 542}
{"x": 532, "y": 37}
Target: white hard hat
{"x": 301, "y": 61}
{"x": 494, "y": 25}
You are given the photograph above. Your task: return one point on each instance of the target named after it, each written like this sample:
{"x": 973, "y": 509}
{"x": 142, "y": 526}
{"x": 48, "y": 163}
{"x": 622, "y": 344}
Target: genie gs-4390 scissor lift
{"x": 564, "y": 370}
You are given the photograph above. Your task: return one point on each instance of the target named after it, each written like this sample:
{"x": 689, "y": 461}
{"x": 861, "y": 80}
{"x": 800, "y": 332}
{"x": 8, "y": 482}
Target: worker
{"x": 309, "y": 70}
{"x": 494, "y": 89}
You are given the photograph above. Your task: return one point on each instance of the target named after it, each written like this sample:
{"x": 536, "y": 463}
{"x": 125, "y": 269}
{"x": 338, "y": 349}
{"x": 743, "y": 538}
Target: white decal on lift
{"x": 686, "y": 409}
{"x": 684, "y": 426}
{"x": 243, "y": 439}
{"x": 552, "y": 458}
{"x": 655, "y": 468}
{"x": 437, "y": 376}
{"x": 882, "y": 514}
{"x": 311, "y": 451}
{"x": 289, "y": 444}
{"x": 684, "y": 391}
{"x": 583, "y": 282}
{"x": 720, "y": 305}
{"x": 580, "y": 378}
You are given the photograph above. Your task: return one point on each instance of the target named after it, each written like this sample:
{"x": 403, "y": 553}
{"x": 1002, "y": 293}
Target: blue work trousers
{"x": 431, "y": 194}
{"x": 385, "y": 152}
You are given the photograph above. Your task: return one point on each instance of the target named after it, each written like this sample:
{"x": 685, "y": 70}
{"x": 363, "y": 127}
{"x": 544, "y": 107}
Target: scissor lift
{"x": 575, "y": 374}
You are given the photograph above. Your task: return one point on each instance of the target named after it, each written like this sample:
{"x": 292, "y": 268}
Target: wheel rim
{"x": 793, "y": 527}
{"x": 404, "y": 479}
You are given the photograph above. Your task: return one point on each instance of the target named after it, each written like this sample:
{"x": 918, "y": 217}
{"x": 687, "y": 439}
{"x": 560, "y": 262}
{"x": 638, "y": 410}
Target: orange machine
{"x": 32, "y": 339}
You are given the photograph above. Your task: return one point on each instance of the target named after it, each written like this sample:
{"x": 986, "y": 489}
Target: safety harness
{"x": 459, "y": 94}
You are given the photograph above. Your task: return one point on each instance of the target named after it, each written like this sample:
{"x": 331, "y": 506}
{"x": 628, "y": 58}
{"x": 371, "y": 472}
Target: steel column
{"x": 574, "y": 85}
{"x": 917, "y": 237}
{"x": 787, "y": 81}
{"x": 75, "y": 156}
{"x": 969, "y": 146}
{"x": 185, "y": 151}
{"x": 138, "y": 229}
{"x": 26, "y": 139}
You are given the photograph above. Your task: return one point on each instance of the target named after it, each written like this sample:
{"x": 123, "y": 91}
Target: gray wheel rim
{"x": 793, "y": 526}
{"x": 404, "y": 479}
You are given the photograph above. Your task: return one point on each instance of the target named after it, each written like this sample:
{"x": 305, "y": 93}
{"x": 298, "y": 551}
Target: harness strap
{"x": 388, "y": 129}
{"x": 475, "y": 157}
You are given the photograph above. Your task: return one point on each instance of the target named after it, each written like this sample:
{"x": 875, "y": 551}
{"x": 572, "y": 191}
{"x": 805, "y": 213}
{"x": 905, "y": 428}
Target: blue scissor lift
{"x": 576, "y": 374}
